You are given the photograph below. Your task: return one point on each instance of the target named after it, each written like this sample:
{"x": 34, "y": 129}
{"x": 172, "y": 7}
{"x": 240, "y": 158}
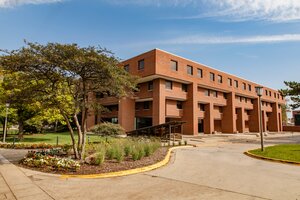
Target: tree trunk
{"x": 76, "y": 154}
{"x": 79, "y": 132}
{"x": 84, "y": 119}
{"x": 55, "y": 126}
{"x": 21, "y": 129}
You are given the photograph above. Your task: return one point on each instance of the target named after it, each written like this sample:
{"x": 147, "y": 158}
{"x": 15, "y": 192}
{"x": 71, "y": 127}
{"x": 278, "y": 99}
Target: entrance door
{"x": 200, "y": 126}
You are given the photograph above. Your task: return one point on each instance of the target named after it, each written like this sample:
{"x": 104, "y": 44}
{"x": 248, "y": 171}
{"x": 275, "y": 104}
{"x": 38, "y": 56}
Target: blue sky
{"x": 256, "y": 39}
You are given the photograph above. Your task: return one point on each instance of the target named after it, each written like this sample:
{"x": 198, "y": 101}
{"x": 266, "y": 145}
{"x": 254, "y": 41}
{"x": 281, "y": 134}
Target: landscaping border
{"x": 130, "y": 171}
{"x": 271, "y": 159}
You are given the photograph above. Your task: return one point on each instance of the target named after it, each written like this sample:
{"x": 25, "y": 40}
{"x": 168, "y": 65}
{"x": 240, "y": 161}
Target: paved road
{"x": 217, "y": 169}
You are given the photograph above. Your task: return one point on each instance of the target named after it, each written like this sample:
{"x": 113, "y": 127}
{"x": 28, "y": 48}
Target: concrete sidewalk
{"x": 14, "y": 184}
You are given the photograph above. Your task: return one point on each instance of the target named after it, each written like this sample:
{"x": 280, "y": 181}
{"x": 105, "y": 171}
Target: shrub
{"x": 141, "y": 153}
{"x": 119, "y": 154}
{"x": 148, "y": 150}
{"x": 108, "y": 129}
{"x": 185, "y": 142}
{"x": 135, "y": 154}
{"x": 100, "y": 157}
{"x": 111, "y": 153}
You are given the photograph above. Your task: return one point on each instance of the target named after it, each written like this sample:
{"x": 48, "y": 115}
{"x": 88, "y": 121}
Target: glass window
{"x": 249, "y": 87}
{"x": 266, "y": 91}
{"x": 126, "y": 68}
{"x": 225, "y": 95}
{"x": 169, "y": 85}
{"x": 202, "y": 107}
{"x": 212, "y": 76}
{"x": 229, "y": 81}
{"x": 190, "y": 70}
{"x": 199, "y": 73}
{"x": 244, "y": 86}
{"x": 270, "y": 94}
{"x": 179, "y": 105}
{"x": 141, "y": 64}
{"x": 220, "y": 79}
{"x": 184, "y": 87}
{"x": 206, "y": 93}
{"x": 236, "y": 83}
{"x": 146, "y": 105}
{"x": 174, "y": 65}
{"x": 150, "y": 85}
{"x": 214, "y": 93}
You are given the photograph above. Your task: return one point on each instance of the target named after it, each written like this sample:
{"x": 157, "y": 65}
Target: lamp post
{"x": 5, "y": 123}
{"x": 259, "y": 92}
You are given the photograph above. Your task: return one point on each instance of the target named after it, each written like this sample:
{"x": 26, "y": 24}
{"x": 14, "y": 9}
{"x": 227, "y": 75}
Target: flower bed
{"x": 30, "y": 146}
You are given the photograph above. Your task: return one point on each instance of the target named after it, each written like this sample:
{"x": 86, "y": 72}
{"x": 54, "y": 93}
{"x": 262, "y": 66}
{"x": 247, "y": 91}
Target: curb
{"x": 271, "y": 159}
{"x": 130, "y": 171}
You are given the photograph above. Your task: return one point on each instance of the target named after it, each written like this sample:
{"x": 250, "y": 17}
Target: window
{"x": 179, "y": 105}
{"x": 202, "y": 107}
{"x": 252, "y": 101}
{"x": 212, "y": 76}
{"x": 266, "y": 92}
{"x": 220, "y": 109}
{"x": 262, "y": 103}
{"x": 199, "y": 73}
{"x": 146, "y": 105}
{"x": 249, "y": 87}
{"x": 169, "y": 85}
{"x": 150, "y": 85}
{"x": 214, "y": 93}
{"x": 244, "y": 86}
{"x": 274, "y": 95}
{"x": 184, "y": 87}
{"x": 99, "y": 95}
{"x": 126, "y": 68}
{"x": 220, "y": 80}
{"x": 206, "y": 92}
{"x": 225, "y": 95}
{"x": 174, "y": 65}
{"x": 138, "y": 88}
{"x": 190, "y": 70}
{"x": 241, "y": 99}
{"x": 229, "y": 82}
{"x": 141, "y": 64}
{"x": 114, "y": 120}
{"x": 236, "y": 84}
{"x": 246, "y": 99}
{"x": 270, "y": 93}
{"x": 278, "y": 96}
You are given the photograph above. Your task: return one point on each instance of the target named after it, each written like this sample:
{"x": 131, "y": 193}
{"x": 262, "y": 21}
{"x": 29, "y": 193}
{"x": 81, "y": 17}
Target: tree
{"x": 293, "y": 91}
{"x": 69, "y": 75}
{"x": 17, "y": 90}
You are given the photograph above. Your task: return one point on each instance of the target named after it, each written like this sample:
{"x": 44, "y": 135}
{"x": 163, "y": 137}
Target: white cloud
{"x": 233, "y": 10}
{"x": 13, "y": 3}
{"x": 196, "y": 39}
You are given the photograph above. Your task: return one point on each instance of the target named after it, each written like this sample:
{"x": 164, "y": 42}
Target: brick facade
{"x": 208, "y": 100}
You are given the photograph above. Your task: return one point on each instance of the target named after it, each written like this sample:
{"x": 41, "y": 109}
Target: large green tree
{"x": 292, "y": 91}
{"x": 69, "y": 76}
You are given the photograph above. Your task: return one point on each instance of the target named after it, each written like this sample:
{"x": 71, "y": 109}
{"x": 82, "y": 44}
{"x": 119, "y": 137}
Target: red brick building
{"x": 175, "y": 88}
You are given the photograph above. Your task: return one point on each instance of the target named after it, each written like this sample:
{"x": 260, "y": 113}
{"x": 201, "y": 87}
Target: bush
{"x": 108, "y": 129}
{"x": 100, "y": 157}
{"x": 111, "y": 153}
{"x": 135, "y": 154}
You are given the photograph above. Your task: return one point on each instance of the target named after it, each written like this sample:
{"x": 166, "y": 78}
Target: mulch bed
{"x": 109, "y": 165}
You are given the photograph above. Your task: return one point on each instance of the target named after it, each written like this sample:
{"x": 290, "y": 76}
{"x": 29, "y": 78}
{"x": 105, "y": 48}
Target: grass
{"x": 290, "y": 152}
{"x": 50, "y": 138}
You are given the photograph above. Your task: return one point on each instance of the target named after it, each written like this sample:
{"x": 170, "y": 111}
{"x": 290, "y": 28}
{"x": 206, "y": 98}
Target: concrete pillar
{"x": 228, "y": 117}
{"x": 159, "y": 102}
{"x": 209, "y": 118}
{"x": 274, "y": 119}
{"x": 126, "y": 113}
{"x": 254, "y": 117}
{"x": 264, "y": 116}
{"x": 240, "y": 122}
{"x": 190, "y": 108}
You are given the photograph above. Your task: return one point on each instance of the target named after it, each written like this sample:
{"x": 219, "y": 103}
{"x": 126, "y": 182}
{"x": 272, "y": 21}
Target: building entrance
{"x": 200, "y": 126}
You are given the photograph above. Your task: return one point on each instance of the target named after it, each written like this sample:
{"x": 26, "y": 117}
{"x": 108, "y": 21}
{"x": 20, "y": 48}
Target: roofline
{"x": 202, "y": 65}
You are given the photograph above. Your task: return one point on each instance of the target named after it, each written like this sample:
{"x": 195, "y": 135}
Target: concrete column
{"x": 209, "y": 119}
{"x": 126, "y": 113}
{"x": 274, "y": 119}
{"x": 190, "y": 107}
{"x": 240, "y": 122}
{"x": 264, "y": 116}
{"x": 159, "y": 102}
{"x": 228, "y": 117}
{"x": 254, "y": 117}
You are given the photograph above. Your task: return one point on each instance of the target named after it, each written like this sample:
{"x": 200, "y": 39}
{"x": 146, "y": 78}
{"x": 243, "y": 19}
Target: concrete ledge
{"x": 271, "y": 159}
{"x": 130, "y": 171}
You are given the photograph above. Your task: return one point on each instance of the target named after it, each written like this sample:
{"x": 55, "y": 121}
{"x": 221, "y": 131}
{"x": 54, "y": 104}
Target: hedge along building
{"x": 174, "y": 88}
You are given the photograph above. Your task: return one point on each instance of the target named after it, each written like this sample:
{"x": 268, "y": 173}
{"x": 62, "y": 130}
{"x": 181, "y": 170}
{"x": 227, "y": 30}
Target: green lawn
{"x": 50, "y": 138}
{"x": 289, "y": 152}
